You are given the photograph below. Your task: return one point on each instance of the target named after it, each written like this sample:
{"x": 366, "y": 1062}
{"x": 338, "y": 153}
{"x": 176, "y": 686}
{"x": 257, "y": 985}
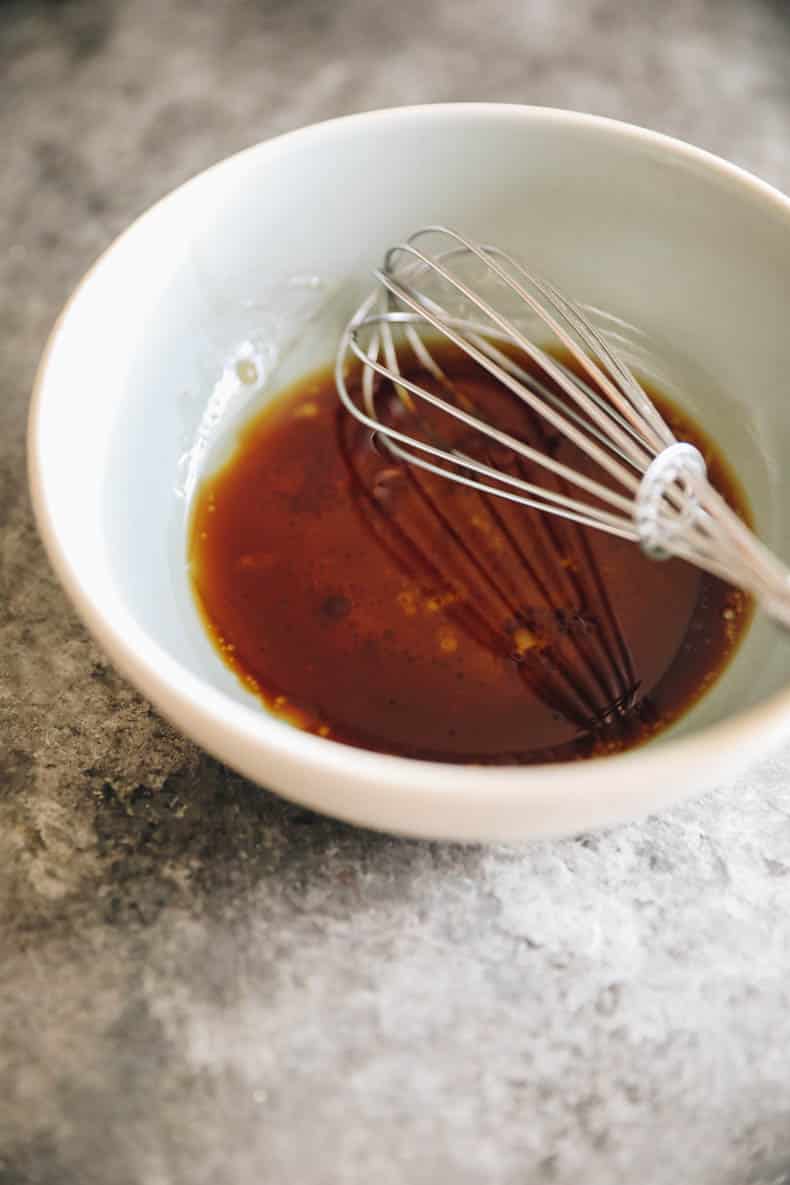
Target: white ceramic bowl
{"x": 262, "y": 257}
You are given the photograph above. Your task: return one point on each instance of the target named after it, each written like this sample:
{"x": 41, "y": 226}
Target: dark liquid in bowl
{"x": 382, "y": 607}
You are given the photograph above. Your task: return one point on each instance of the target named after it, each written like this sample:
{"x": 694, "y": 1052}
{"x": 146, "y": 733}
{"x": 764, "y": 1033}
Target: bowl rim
{"x": 225, "y": 727}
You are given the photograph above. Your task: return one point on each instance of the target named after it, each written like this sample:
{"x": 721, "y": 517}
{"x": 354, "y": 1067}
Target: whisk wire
{"x": 502, "y": 438}
{"x": 662, "y": 496}
{"x": 559, "y": 421}
{"x": 538, "y": 356}
{"x": 629, "y": 397}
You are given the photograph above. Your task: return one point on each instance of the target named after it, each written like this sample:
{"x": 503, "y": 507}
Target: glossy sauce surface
{"x": 382, "y": 607}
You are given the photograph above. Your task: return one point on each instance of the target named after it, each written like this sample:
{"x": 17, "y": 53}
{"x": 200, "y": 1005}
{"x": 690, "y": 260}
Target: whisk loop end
{"x": 666, "y": 502}
{"x": 643, "y": 485}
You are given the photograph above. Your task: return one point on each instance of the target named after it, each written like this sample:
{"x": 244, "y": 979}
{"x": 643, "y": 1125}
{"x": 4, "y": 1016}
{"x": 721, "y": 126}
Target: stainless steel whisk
{"x": 655, "y": 489}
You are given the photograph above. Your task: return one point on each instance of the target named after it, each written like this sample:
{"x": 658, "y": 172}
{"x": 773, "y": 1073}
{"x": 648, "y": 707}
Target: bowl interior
{"x": 263, "y": 258}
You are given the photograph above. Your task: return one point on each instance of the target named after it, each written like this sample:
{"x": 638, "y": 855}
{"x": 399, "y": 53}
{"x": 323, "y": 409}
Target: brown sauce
{"x": 381, "y": 607}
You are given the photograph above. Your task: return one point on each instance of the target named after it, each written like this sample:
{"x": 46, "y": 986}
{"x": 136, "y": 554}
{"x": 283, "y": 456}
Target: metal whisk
{"x": 645, "y": 485}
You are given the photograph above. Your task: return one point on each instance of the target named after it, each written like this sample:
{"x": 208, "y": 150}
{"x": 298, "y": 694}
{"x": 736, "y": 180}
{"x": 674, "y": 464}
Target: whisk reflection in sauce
{"x": 512, "y": 587}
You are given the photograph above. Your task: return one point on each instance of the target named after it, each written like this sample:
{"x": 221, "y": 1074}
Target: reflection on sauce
{"x": 382, "y": 607}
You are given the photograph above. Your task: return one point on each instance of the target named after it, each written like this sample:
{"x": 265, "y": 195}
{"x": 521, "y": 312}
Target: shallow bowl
{"x": 258, "y": 261}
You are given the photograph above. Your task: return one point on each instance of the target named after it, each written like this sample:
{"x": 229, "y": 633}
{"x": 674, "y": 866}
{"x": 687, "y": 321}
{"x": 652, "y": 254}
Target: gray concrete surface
{"x": 202, "y": 984}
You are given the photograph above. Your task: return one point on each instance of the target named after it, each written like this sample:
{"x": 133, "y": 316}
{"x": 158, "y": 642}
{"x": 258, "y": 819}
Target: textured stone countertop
{"x": 201, "y": 984}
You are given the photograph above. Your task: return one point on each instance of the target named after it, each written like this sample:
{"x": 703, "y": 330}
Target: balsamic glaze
{"x": 385, "y": 608}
